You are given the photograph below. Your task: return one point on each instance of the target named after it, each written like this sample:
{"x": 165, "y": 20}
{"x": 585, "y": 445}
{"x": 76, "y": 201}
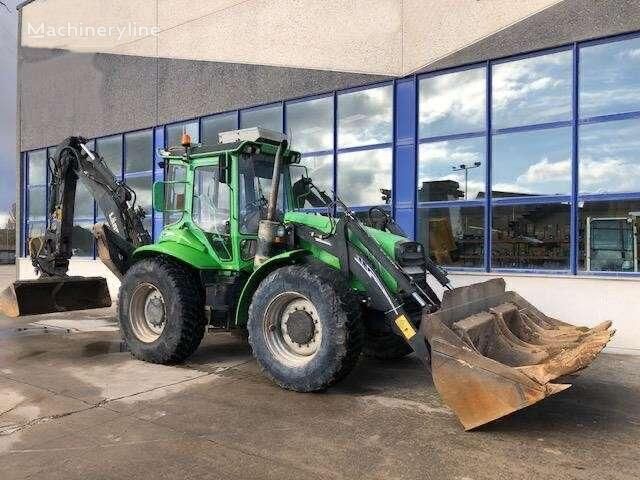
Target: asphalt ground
{"x": 73, "y": 405}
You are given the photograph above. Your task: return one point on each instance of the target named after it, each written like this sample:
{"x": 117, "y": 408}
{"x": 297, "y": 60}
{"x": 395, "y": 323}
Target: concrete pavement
{"x": 72, "y": 405}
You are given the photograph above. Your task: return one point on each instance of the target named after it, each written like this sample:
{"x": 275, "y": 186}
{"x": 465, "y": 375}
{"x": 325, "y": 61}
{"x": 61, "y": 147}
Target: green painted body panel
{"x": 286, "y": 258}
{"x": 185, "y": 254}
{"x": 189, "y": 244}
{"x": 386, "y": 240}
{"x": 313, "y": 220}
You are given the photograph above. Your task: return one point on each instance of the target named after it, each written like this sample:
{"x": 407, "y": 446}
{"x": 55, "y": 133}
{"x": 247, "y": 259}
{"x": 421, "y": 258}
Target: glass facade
{"x": 608, "y": 239}
{"x": 365, "y": 117}
{"x": 110, "y": 149}
{"x": 531, "y": 163}
{"x": 213, "y": 125}
{"x": 173, "y": 133}
{"x": 269, "y": 117}
{"x": 364, "y": 177}
{"x": 138, "y": 150}
{"x": 309, "y": 124}
{"x": 453, "y": 235}
{"x": 527, "y": 163}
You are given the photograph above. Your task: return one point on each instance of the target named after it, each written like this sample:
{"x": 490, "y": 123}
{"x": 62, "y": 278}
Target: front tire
{"x": 305, "y": 328}
{"x": 161, "y": 311}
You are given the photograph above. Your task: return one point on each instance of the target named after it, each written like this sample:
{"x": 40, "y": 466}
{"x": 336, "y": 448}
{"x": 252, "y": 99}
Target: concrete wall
{"x": 382, "y": 37}
{"x": 565, "y": 22}
{"x": 212, "y": 56}
{"x": 96, "y": 94}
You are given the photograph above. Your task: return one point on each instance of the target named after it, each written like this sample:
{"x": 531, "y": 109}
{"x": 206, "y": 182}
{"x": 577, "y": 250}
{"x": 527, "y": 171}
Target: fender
{"x": 286, "y": 258}
{"x": 195, "y": 258}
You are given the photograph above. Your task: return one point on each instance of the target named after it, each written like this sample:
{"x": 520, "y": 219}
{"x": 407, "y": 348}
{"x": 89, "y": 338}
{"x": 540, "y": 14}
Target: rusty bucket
{"x": 54, "y": 294}
{"x": 493, "y": 353}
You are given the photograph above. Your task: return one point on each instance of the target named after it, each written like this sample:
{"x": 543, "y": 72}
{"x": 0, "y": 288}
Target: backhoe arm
{"x": 73, "y": 161}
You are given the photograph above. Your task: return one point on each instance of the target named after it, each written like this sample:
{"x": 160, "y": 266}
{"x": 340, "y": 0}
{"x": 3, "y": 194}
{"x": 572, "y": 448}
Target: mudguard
{"x": 286, "y": 258}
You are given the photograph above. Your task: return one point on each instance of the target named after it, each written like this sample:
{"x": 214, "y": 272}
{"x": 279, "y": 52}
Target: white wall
{"x": 83, "y": 267}
{"x": 385, "y": 37}
{"x": 578, "y": 300}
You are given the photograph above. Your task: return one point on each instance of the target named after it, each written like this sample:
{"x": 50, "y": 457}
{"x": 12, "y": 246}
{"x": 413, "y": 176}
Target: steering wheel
{"x": 253, "y": 214}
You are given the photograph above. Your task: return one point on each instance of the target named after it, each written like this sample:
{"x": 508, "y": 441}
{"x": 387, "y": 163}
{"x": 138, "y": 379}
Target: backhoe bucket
{"x": 54, "y": 294}
{"x": 493, "y": 353}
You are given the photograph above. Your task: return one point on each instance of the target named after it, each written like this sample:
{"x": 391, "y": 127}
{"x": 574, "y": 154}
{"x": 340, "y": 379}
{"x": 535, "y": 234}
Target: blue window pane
{"x": 609, "y": 80}
{"x": 142, "y": 187}
{"x": 531, "y": 236}
{"x": 532, "y": 163}
{"x": 453, "y": 236}
{"x": 608, "y": 240}
{"x": 83, "y": 207}
{"x": 364, "y": 177}
{"x": 139, "y": 151}
{"x": 310, "y": 125}
{"x": 37, "y": 167}
{"x": 453, "y": 103}
{"x": 110, "y": 149}
{"x": 365, "y": 117}
{"x": 610, "y": 157}
{"x": 36, "y": 198}
{"x": 532, "y": 90}
{"x": 212, "y": 126}
{"x": 265, "y": 117}
{"x": 452, "y": 170}
{"x": 174, "y": 133}
{"x": 320, "y": 170}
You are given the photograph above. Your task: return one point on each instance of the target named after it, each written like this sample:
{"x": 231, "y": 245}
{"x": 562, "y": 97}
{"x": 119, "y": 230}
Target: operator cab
{"x": 223, "y": 190}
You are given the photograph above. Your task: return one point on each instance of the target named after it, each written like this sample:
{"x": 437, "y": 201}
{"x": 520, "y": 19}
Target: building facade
{"x": 501, "y": 134}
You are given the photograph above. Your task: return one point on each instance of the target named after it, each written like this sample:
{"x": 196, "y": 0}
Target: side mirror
{"x": 302, "y": 187}
{"x": 158, "y": 198}
{"x": 168, "y": 196}
{"x": 304, "y": 172}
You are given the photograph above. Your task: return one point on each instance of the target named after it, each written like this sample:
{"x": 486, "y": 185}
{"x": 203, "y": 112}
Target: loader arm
{"x": 489, "y": 351}
{"x": 389, "y": 288}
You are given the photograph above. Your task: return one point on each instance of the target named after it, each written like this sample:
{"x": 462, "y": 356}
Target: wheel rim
{"x": 147, "y": 313}
{"x": 292, "y": 329}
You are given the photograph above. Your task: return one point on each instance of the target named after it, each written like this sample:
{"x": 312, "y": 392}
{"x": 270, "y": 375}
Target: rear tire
{"x": 161, "y": 311}
{"x": 305, "y": 328}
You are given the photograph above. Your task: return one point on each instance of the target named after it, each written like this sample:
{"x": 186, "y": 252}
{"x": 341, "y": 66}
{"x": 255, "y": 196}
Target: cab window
{"x": 211, "y": 209}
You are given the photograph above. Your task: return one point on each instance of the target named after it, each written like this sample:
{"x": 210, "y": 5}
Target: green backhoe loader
{"x": 249, "y": 242}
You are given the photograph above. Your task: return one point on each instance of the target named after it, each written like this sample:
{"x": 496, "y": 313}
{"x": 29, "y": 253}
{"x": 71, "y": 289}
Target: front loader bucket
{"x": 493, "y": 353}
{"x": 54, "y": 294}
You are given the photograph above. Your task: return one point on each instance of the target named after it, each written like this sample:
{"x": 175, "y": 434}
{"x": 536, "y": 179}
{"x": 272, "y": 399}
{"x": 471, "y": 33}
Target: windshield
{"x": 256, "y": 172}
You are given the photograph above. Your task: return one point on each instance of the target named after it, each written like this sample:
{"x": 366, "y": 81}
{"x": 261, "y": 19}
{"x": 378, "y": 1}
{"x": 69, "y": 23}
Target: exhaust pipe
{"x": 272, "y": 236}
